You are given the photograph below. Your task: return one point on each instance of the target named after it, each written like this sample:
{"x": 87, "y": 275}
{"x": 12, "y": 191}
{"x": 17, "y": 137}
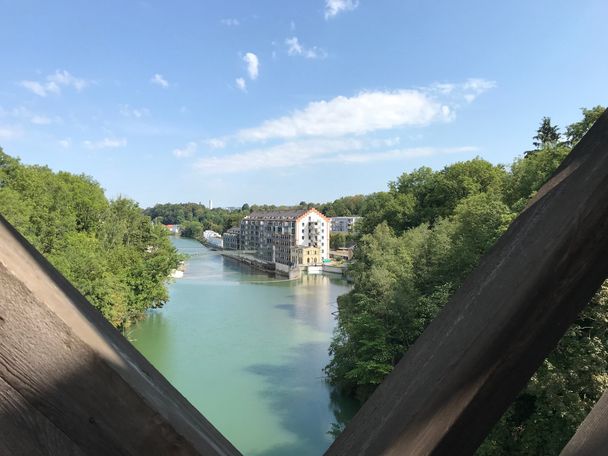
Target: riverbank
{"x": 270, "y": 267}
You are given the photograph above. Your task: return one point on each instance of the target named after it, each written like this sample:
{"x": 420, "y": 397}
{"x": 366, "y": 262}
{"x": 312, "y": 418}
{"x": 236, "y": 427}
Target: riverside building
{"x": 274, "y": 234}
{"x": 232, "y": 239}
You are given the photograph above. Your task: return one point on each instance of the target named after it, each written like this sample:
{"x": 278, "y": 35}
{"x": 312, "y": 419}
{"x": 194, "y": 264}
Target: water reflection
{"x": 248, "y": 351}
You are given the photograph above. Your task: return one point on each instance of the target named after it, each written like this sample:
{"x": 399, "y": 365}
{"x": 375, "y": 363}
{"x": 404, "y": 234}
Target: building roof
{"x": 276, "y": 215}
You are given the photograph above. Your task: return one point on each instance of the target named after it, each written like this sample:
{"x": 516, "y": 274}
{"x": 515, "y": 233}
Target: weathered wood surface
{"x": 31, "y": 433}
{"x": 468, "y": 366}
{"x": 71, "y": 384}
{"x": 591, "y": 437}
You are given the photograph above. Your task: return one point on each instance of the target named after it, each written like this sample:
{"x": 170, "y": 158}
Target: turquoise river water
{"x": 248, "y": 350}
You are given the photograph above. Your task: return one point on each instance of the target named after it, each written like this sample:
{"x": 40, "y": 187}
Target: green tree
{"x": 547, "y": 134}
{"x": 577, "y": 130}
{"x": 109, "y": 250}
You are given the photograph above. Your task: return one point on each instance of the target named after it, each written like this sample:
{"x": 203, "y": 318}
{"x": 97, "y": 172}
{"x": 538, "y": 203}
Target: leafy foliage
{"x": 418, "y": 241}
{"x": 117, "y": 258}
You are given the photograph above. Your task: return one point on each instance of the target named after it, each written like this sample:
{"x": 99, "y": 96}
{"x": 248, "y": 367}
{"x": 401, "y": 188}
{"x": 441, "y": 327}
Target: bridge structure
{"x": 71, "y": 384}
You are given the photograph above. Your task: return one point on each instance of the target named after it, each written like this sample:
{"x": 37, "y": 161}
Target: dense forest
{"x": 116, "y": 257}
{"x": 417, "y": 243}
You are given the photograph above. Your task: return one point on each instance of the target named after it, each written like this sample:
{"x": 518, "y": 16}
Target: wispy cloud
{"x": 54, "y": 83}
{"x": 106, "y": 143}
{"x": 362, "y": 113}
{"x": 137, "y": 113}
{"x": 159, "y": 80}
{"x": 66, "y": 143}
{"x": 230, "y": 22}
{"x": 315, "y": 152}
{"x": 253, "y": 65}
{"x": 24, "y": 114}
{"x": 472, "y": 88}
{"x": 468, "y": 90}
{"x": 187, "y": 151}
{"x": 215, "y": 143}
{"x": 10, "y": 132}
{"x": 335, "y": 7}
{"x": 295, "y": 48}
{"x": 41, "y": 120}
{"x": 241, "y": 84}
{"x": 344, "y": 130}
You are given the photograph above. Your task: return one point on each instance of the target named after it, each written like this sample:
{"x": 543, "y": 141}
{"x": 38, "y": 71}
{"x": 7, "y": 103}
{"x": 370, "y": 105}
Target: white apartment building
{"x": 273, "y": 233}
{"x": 344, "y": 224}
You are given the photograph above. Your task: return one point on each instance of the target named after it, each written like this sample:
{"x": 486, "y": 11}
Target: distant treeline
{"x": 109, "y": 250}
{"x": 417, "y": 243}
{"x": 194, "y": 218}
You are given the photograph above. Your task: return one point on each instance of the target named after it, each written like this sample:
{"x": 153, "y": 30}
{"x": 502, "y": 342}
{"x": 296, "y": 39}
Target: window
{"x": 302, "y": 237}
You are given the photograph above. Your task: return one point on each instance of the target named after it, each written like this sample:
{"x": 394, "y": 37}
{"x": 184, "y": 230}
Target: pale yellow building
{"x": 304, "y": 255}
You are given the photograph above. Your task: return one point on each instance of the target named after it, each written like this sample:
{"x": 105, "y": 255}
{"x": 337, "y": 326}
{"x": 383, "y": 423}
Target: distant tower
{"x": 210, "y": 204}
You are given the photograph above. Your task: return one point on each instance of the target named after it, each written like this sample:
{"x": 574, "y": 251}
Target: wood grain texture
{"x": 31, "y": 433}
{"x": 74, "y": 370}
{"x": 474, "y": 358}
{"x": 591, "y": 438}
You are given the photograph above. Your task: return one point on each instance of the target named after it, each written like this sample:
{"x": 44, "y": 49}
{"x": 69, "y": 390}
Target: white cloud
{"x": 106, "y": 143}
{"x": 334, "y": 7}
{"x": 41, "y": 120}
{"x": 25, "y": 114}
{"x": 474, "y": 87}
{"x": 241, "y": 84}
{"x": 159, "y": 80}
{"x": 54, "y": 83}
{"x": 315, "y": 152}
{"x": 363, "y": 113}
{"x": 65, "y": 143}
{"x": 187, "y": 151}
{"x": 137, "y": 113}
{"x": 216, "y": 143}
{"x": 253, "y": 65}
{"x": 295, "y": 48}
{"x": 10, "y": 132}
{"x": 230, "y": 22}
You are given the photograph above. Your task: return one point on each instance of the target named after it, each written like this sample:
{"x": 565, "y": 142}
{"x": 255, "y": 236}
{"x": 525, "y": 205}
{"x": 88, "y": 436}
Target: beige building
{"x": 303, "y": 255}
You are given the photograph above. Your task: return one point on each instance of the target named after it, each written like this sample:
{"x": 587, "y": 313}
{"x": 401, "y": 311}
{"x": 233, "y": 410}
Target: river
{"x": 248, "y": 350}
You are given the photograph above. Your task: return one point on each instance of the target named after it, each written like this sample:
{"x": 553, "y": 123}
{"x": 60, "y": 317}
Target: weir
{"x": 71, "y": 384}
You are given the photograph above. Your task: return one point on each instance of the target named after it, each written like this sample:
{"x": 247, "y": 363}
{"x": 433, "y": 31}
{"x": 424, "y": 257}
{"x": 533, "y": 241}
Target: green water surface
{"x": 248, "y": 350}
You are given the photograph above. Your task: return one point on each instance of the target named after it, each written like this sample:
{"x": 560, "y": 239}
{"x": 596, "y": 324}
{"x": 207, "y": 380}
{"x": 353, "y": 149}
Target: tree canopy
{"x": 417, "y": 242}
{"x": 116, "y": 257}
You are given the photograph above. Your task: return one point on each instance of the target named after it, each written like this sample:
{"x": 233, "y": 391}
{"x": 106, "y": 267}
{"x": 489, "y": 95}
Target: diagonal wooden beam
{"x": 457, "y": 380}
{"x": 591, "y": 437}
{"x": 71, "y": 384}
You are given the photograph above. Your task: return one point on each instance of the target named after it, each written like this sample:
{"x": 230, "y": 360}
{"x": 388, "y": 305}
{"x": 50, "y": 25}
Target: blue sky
{"x": 282, "y": 101}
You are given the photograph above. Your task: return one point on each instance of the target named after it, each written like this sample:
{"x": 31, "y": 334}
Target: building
{"x": 232, "y": 239}
{"x": 344, "y": 224}
{"x": 213, "y": 239}
{"x": 173, "y": 229}
{"x": 306, "y": 255}
{"x": 272, "y": 234}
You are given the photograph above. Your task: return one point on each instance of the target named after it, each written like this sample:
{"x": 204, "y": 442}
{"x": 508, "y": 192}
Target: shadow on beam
{"x": 458, "y": 379}
{"x": 72, "y": 384}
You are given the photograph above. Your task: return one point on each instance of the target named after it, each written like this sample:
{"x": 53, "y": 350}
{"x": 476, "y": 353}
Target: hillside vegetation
{"x": 418, "y": 242}
{"x": 109, "y": 250}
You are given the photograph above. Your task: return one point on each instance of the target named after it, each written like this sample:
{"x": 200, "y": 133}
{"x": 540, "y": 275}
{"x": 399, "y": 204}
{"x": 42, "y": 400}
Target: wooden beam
{"x": 591, "y": 437}
{"x": 457, "y": 380}
{"x": 71, "y": 380}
